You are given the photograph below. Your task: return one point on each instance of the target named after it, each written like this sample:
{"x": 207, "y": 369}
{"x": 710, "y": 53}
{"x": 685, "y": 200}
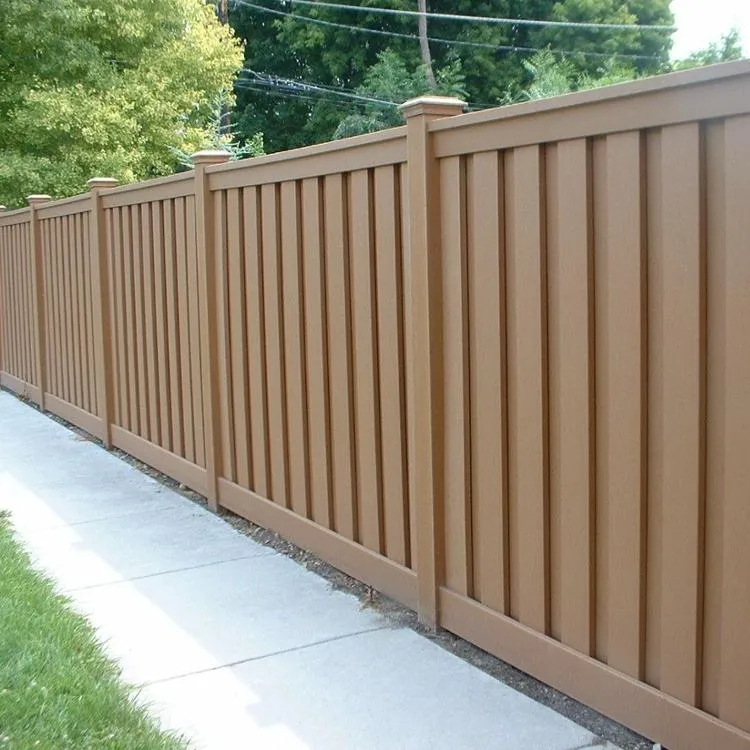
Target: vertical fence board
{"x": 274, "y": 325}
{"x": 82, "y": 233}
{"x": 81, "y": 309}
{"x": 225, "y": 382}
{"x": 339, "y": 353}
{"x": 18, "y": 286}
{"x": 12, "y": 301}
{"x": 120, "y": 317}
{"x": 294, "y": 349}
{"x": 487, "y": 374}
{"x": 186, "y": 340}
{"x": 656, "y": 423}
{"x": 23, "y": 337}
{"x": 734, "y": 686}
{"x": 149, "y": 338}
{"x": 621, "y": 392}
{"x": 70, "y": 322}
{"x": 237, "y": 301}
{"x": 527, "y": 388}
{"x": 53, "y": 357}
{"x": 600, "y": 210}
{"x": 194, "y": 327}
{"x": 164, "y": 386}
{"x": 27, "y": 372}
{"x": 256, "y": 341}
{"x": 139, "y": 291}
{"x": 94, "y": 337}
{"x": 316, "y": 351}
{"x": 15, "y": 309}
{"x": 716, "y": 413}
{"x": 409, "y": 390}
{"x": 81, "y": 305}
{"x": 255, "y": 312}
{"x": 47, "y": 293}
{"x": 365, "y": 362}
{"x": 683, "y": 298}
{"x": 172, "y": 280}
{"x": 390, "y": 348}
{"x": 18, "y": 303}
{"x": 571, "y": 349}
{"x": 148, "y": 341}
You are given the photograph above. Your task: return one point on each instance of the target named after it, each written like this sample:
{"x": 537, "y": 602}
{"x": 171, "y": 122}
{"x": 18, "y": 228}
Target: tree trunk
{"x": 225, "y": 121}
{"x": 425, "y": 44}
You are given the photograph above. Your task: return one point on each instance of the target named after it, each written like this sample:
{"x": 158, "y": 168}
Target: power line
{"x": 439, "y": 40}
{"x": 266, "y": 79}
{"x": 241, "y": 84}
{"x": 488, "y": 19}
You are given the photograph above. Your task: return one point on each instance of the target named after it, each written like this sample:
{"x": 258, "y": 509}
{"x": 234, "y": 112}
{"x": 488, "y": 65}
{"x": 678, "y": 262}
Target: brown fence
{"x": 496, "y": 365}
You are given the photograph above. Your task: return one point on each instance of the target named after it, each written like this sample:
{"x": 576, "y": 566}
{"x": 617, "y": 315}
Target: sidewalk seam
{"x": 282, "y": 652}
{"x": 264, "y": 553}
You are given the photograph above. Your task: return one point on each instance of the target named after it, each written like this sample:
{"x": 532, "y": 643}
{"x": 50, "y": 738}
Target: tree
{"x": 729, "y": 47}
{"x": 337, "y": 48}
{"x": 391, "y": 80}
{"x": 552, "y": 76}
{"x": 424, "y": 44}
{"x": 105, "y": 87}
{"x": 645, "y": 51}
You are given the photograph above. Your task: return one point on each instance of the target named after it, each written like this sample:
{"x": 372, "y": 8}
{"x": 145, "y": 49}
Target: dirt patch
{"x": 399, "y": 615}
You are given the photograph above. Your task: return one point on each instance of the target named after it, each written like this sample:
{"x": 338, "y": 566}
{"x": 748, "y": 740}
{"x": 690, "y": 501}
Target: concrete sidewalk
{"x": 234, "y": 644}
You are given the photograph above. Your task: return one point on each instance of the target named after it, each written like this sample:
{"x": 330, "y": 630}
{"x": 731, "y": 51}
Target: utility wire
{"x": 266, "y": 79}
{"x": 312, "y": 96}
{"x": 439, "y": 40}
{"x": 488, "y": 19}
{"x": 240, "y": 84}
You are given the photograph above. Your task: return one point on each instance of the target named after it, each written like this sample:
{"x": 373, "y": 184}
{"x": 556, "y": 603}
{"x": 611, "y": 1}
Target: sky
{"x": 700, "y": 22}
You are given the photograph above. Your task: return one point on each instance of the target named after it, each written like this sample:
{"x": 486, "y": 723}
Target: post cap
{"x": 210, "y": 157}
{"x": 34, "y": 200}
{"x": 101, "y": 182}
{"x": 440, "y": 106}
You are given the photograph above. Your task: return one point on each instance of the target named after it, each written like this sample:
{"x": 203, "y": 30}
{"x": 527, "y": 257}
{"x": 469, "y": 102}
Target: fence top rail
{"x": 358, "y": 152}
{"x": 160, "y": 188}
{"x": 16, "y": 216}
{"x": 357, "y": 141}
{"x": 60, "y": 207}
{"x": 707, "y": 74}
{"x": 724, "y": 91}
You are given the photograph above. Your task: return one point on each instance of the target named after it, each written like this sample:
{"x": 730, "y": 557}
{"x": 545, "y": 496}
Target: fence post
{"x": 425, "y": 348}
{"x": 100, "y": 304}
{"x": 37, "y": 281}
{"x": 204, "y": 229}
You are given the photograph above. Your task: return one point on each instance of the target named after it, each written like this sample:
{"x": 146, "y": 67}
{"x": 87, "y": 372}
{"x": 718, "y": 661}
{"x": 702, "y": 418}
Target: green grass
{"x": 57, "y": 687}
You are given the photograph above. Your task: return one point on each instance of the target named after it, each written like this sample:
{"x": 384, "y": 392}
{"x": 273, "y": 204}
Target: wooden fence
{"x": 496, "y": 365}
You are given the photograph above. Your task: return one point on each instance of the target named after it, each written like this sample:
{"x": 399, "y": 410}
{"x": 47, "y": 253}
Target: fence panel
{"x": 71, "y": 382}
{"x": 593, "y": 486}
{"x": 311, "y": 349}
{"x": 154, "y": 311}
{"x": 18, "y": 370}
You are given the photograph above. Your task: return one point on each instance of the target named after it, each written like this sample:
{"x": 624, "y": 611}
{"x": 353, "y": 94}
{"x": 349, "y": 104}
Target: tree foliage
{"x": 729, "y": 47}
{"x": 105, "y": 87}
{"x": 391, "y": 80}
{"x": 489, "y": 57}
